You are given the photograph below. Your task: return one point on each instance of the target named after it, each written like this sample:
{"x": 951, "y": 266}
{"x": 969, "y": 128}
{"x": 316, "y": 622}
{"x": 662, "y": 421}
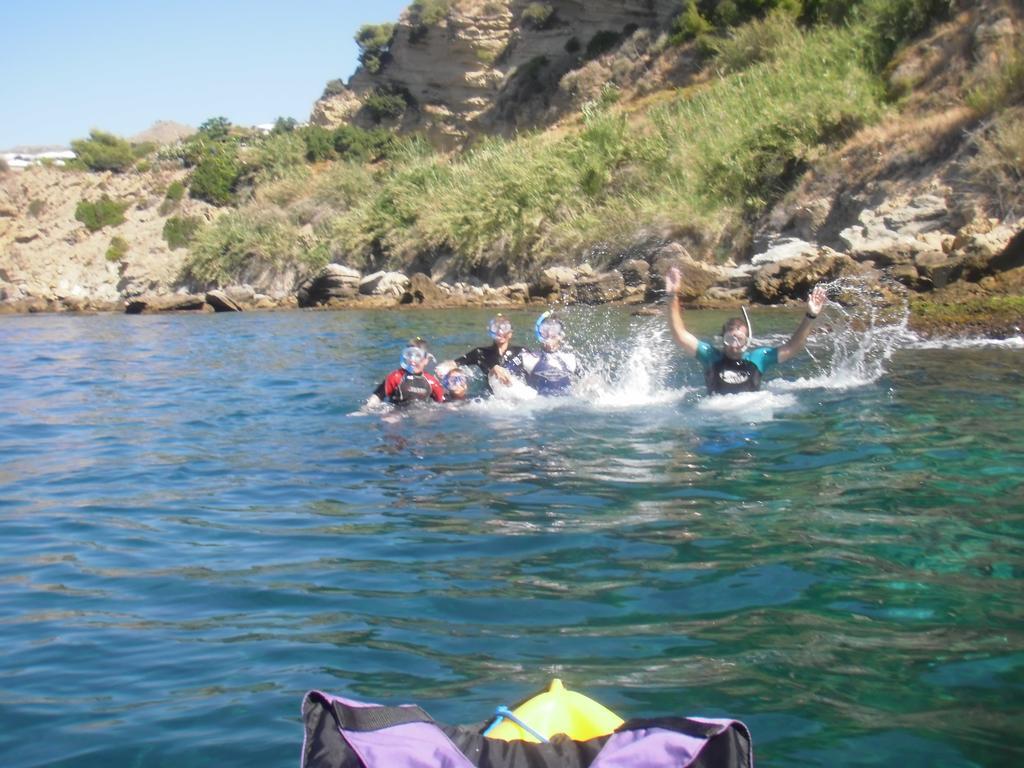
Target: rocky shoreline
{"x": 905, "y": 249}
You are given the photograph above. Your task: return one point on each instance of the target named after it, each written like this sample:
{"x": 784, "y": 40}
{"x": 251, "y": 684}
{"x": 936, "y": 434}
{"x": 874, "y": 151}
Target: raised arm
{"x": 683, "y": 337}
{"x": 796, "y": 342}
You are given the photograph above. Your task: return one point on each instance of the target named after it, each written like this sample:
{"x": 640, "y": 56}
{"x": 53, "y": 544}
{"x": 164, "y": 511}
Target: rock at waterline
{"x": 221, "y": 302}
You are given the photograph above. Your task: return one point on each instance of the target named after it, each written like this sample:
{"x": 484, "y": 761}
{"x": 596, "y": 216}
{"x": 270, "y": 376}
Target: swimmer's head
{"x": 414, "y": 359}
{"x": 549, "y": 331}
{"x": 500, "y": 328}
{"x": 456, "y": 383}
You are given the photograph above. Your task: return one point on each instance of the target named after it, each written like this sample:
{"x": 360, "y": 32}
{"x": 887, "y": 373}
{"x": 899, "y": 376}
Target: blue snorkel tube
{"x": 539, "y": 323}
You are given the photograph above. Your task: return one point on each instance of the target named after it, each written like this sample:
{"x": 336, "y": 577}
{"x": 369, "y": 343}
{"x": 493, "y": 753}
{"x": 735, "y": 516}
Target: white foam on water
{"x": 633, "y": 376}
{"x": 746, "y": 406}
{"x": 861, "y": 332}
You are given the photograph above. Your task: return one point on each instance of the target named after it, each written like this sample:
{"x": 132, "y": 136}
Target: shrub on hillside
{"x": 890, "y": 23}
{"x": 36, "y": 207}
{"x": 1000, "y": 86}
{"x": 537, "y": 15}
{"x": 353, "y": 143}
{"x": 424, "y": 14}
{"x": 997, "y": 167}
{"x": 333, "y": 88}
{"x": 215, "y": 129}
{"x": 104, "y": 152}
{"x": 101, "y": 213}
{"x": 285, "y": 125}
{"x": 175, "y": 192}
{"x": 690, "y": 24}
{"x": 373, "y": 41}
{"x": 179, "y": 231}
{"x": 248, "y": 238}
{"x": 216, "y": 176}
{"x": 755, "y": 42}
{"x": 4, "y": 167}
{"x": 117, "y": 249}
{"x": 386, "y": 104}
{"x": 277, "y": 156}
{"x": 825, "y": 11}
{"x": 318, "y": 143}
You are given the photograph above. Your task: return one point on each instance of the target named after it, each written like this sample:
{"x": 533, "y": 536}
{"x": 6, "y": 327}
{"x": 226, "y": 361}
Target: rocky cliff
{"x": 489, "y": 67}
{"x": 49, "y": 259}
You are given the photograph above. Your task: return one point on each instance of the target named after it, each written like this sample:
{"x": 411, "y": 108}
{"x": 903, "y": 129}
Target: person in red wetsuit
{"x": 409, "y": 383}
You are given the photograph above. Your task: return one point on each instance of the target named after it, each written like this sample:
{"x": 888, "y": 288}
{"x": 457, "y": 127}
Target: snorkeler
{"x": 735, "y": 368}
{"x": 454, "y": 381}
{"x": 553, "y": 370}
{"x": 499, "y": 358}
{"x": 409, "y": 383}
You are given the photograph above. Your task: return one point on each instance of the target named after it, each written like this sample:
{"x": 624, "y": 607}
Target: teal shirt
{"x": 762, "y": 357}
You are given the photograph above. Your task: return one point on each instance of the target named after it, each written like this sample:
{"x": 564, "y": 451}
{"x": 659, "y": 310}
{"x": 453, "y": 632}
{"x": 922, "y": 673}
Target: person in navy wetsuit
{"x": 409, "y": 383}
{"x": 735, "y": 368}
{"x": 553, "y": 370}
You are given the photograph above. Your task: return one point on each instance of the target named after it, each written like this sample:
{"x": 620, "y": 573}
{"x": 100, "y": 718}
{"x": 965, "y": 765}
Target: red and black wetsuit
{"x": 402, "y": 388}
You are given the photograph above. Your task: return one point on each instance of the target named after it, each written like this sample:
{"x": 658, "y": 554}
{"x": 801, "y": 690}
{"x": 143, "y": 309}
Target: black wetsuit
{"x": 486, "y": 358}
{"x": 727, "y": 377}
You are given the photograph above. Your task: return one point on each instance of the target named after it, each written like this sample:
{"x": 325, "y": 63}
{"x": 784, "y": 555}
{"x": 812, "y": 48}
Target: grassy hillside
{"x": 699, "y": 165}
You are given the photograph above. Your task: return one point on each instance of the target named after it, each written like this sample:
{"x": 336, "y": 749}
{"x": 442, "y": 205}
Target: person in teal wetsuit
{"x": 735, "y": 368}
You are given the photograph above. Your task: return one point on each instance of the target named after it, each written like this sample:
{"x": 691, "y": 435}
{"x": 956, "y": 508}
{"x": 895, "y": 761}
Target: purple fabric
{"x": 653, "y": 748}
{"x": 413, "y": 745}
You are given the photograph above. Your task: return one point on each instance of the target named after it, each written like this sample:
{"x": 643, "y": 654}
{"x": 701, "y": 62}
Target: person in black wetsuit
{"x": 735, "y": 368}
{"x": 501, "y": 358}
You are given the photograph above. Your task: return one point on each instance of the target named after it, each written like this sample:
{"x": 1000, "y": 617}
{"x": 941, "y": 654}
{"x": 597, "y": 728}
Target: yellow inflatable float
{"x": 556, "y": 710}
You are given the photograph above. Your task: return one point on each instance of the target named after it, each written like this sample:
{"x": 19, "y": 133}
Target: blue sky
{"x": 67, "y": 66}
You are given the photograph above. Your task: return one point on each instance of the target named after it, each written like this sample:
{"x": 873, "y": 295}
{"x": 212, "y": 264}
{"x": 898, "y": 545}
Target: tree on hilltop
{"x": 104, "y": 152}
{"x": 374, "y": 41}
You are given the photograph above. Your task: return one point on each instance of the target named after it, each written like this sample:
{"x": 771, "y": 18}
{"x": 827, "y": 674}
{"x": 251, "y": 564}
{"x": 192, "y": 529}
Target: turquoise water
{"x": 195, "y": 531}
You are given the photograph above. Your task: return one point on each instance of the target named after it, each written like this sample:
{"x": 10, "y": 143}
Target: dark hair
{"x": 733, "y": 323}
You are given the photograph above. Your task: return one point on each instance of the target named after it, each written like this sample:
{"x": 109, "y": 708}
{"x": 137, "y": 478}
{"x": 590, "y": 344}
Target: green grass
{"x": 700, "y": 167}
{"x": 244, "y": 240}
{"x": 178, "y": 231}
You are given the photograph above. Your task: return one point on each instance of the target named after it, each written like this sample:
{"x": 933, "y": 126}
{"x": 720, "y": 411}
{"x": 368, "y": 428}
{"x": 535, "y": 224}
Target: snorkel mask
{"x": 413, "y": 358}
{"x": 499, "y": 327}
{"x": 456, "y": 382}
{"x": 735, "y": 341}
{"x": 549, "y": 329}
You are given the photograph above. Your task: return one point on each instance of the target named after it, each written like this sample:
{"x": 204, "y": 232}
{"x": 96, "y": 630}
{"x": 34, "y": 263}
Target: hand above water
{"x": 816, "y": 301}
{"x": 673, "y": 280}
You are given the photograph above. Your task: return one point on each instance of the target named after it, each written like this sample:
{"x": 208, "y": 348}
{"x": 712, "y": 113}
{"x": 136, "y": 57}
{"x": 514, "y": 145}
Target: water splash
{"x": 858, "y": 334}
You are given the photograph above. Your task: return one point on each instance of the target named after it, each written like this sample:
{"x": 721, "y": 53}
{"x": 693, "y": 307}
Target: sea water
{"x": 197, "y": 525}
